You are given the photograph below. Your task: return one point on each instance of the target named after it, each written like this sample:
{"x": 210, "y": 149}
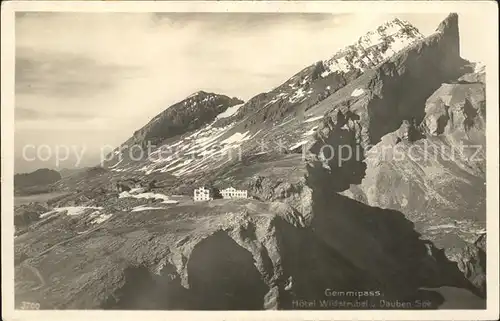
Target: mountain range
{"x": 366, "y": 171}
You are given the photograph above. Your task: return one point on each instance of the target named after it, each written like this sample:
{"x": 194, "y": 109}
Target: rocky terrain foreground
{"x": 400, "y": 220}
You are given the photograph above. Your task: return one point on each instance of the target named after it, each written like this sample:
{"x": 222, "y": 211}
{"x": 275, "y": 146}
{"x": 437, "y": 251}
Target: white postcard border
{"x": 487, "y": 8}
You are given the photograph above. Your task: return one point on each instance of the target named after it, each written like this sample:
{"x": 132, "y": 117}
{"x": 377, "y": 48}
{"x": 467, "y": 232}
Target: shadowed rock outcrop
{"x": 187, "y": 115}
{"x": 223, "y": 276}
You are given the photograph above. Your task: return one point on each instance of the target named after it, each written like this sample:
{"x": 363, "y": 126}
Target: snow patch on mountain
{"x": 194, "y": 94}
{"x": 229, "y": 112}
{"x": 227, "y": 148}
{"x": 70, "y": 210}
{"x": 357, "y": 92}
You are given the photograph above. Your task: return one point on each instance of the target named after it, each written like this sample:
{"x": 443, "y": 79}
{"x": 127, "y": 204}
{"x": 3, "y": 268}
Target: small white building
{"x": 232, "y": 192}
{"x": 202, "y": 194}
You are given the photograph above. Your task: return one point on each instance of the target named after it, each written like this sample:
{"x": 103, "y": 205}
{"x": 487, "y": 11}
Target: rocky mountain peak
{"x": 374, "y": 47}
{"x": 189, "y": 114}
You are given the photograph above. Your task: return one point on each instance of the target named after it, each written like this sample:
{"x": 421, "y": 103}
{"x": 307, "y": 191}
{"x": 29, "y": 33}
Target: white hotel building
{"x": 202, "y": 194}
{"x": 231, "y": 192}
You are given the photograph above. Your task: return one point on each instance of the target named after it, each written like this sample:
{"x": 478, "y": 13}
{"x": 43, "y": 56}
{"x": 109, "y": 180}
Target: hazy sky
{"x": 90, "y": 79}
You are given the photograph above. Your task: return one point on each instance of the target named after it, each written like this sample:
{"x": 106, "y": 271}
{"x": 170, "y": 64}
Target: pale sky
{"x": 91, "y": 79}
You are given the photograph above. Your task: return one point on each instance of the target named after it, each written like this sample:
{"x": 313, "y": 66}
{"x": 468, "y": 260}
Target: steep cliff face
{"x": 396, "y": 92}
{"x": 420, "y": 125}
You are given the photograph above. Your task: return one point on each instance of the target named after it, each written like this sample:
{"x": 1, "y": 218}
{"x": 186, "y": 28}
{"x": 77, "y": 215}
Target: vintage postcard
{"x": 239, "y": 160}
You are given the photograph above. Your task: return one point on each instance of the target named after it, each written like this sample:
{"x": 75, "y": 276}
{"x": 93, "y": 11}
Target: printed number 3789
{"x": 30, "y": 305}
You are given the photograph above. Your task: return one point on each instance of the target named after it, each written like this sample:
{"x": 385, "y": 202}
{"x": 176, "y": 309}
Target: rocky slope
{"x": 411, "y": 230}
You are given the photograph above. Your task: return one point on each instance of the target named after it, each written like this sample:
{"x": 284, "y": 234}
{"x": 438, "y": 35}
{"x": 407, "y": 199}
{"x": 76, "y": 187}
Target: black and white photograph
{"x": 219, "y": 160}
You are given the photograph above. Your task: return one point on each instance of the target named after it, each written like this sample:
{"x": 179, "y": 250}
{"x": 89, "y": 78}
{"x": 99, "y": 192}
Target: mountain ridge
{"x": 188, "y": 114}
{"x": 403, "y": 29}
